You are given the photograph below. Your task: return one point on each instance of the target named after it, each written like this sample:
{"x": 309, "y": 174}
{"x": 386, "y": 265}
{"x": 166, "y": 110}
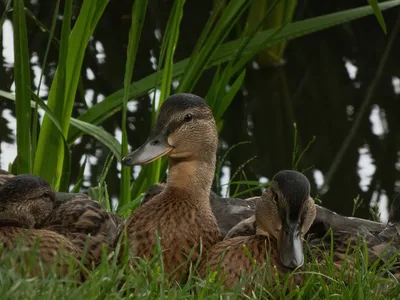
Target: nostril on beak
{"x": 155, "y": 143}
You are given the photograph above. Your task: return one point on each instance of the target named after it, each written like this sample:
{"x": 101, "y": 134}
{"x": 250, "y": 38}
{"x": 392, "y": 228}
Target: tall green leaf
{"x": 138, "y": 16}
{"x": 262, "y": 40}
{"x": 22, "y": 92}
{"x": 378, "y": 14}
{"x": 150, "y": 174}
{"x": 50, "y": 152}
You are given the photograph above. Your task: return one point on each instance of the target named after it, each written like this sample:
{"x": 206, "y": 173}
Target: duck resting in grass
{"x": 382, "y": 246}
{"x": 25, "y": 203}
{"x": 77, "y": 217}
{"x": 181, "y": 214}
{"x": 283, "y": 214}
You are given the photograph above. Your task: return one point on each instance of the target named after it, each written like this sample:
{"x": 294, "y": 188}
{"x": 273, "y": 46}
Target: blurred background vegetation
{"x": 340, "y": 85}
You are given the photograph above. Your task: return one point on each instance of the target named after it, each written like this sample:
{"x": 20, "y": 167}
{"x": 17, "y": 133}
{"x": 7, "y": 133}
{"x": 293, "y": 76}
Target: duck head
{"x": 286, "y": 211}
{"x": 25, "y": 201}
{"x": 185, "y": 130}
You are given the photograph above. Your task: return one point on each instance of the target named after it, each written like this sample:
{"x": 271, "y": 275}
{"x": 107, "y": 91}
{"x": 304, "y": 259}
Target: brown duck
{"x": 284, "y": 214}
{"x": 25, "y": 203}
{"x": 185, "y": 130}
{"x": 382, "y": 246}
{"x": 75, "y": 216}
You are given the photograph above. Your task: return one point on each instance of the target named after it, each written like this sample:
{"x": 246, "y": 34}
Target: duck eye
{"x": 188, "y": 117}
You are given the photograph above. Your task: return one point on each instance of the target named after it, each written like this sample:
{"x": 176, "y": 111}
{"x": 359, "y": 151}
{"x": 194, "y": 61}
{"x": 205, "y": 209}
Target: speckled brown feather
{"x": 83, "y": 221}
{"x": 179, "y": 222}
{"x": 185, "y": 130}
{"x": 236, "y": 262}
{"x": 227, "y": 211}
{"x": 50, "y": 245}
{"x": 84, "y": 216}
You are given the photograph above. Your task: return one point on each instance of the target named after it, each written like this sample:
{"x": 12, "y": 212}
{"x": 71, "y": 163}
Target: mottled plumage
{"x": 181, "y": 214}
{"x": 227, "y": 211}
{"x": 282, "y": 218}
{"x": 382, "y": 245}
{"x": 29, "y": 206}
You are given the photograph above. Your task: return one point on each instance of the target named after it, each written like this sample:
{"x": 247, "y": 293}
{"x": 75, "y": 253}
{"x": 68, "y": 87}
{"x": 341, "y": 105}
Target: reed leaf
{"x": 22, "y": 93}
{"x": 138, "y": 16}
{"x": 262, "y": 40}
{"x": 378, "y": 14}
{"x": 49, "y": 159}
{"x": 151, "y": 173}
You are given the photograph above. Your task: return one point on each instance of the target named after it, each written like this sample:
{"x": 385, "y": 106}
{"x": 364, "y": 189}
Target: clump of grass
{"x": 146, "y": 280}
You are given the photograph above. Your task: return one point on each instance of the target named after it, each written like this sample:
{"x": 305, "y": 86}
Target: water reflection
{"x": 320, "y": 88}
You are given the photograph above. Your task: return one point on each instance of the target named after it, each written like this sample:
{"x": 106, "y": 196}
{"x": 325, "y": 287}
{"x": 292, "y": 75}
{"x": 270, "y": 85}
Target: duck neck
{"x": 194, "y": 176}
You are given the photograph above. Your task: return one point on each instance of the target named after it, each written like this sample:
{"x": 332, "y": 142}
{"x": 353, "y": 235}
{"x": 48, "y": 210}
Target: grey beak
{"x": 155, "y": 147}
{"x": 291, "y": 246}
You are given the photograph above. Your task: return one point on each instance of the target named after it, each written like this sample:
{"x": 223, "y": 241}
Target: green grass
{"x": 146, "y": 281}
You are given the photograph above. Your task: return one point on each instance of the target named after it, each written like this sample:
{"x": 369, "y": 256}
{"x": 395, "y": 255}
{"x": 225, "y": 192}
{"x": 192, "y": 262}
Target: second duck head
{"x": 286, "y": 211}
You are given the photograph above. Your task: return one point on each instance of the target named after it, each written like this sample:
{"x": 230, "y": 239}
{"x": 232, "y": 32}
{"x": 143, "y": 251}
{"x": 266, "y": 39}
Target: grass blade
{"x": 22, "y": 93}
{"x": 99, "y": 134}
{"x": 378, "y": 14}
{"x": 35, "y": 114}
{"x": 138, "y": 16}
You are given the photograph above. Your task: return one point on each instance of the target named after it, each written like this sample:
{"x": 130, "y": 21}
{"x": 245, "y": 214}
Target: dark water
{"x": 321, "y": 88}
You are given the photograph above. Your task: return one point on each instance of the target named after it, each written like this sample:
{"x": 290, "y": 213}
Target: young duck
{"x": 185, "y": 130}
{"x": 283, "y": 215}
{"x": 25, "y": 203}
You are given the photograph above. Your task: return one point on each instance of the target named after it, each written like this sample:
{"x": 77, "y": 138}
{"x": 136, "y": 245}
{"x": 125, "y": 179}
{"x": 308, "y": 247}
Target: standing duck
{"x": 25, "y": 203}
{"x": 283, "y": 214}
{"x": 181, "y": 214}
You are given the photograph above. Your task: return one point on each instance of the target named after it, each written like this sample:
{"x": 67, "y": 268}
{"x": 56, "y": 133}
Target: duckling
{"x": 283, "y": 214}
{"x": 25, "y": 203}
{"x": 181, "y": 214}
{"x": 227, "y": 211}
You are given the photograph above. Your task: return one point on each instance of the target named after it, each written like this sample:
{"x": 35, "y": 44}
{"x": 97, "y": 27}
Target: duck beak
{"x": 291, "y": 246}
{"x": 155, "y": 147}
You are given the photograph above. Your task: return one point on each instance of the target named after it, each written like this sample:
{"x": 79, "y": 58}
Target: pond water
{"x": 321, "y": 87}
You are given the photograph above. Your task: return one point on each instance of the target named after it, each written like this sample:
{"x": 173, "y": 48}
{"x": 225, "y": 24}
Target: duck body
{"x": 181, "y": 225}
{"x": 48, "y": 248}
{"x": 231, "y": 257}
{"x": 84, "y": 220}
{"x": 78, "y": 226}
{"x": 181, "y": 214}
{"x": 381, "y": 245}
{"x": 227, "y": 211}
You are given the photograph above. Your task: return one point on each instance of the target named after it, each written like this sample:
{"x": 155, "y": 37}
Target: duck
{"x": 283, "y": 214}
{"x": 21, "y": 210}
{"x": 381, "y": 245}
{"x": 181, "y": 215}
{"x": 75, "y": 216}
